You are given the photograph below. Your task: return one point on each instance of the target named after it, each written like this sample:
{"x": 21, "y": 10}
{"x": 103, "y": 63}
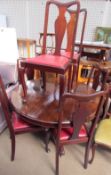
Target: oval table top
{"x": 42, "y": 108}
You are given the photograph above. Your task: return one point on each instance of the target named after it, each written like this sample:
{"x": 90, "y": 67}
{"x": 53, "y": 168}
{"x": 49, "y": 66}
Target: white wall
{"x": 27, "y": 16}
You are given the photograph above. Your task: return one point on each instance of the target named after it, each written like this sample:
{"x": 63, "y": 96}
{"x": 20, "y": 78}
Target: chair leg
{"x": 47, "y": 139}
{"x": 74, "y": 74}
{"x": 30, "y": 73}
{"x": 56, "y": 85}
{"x": 57, "y": 159}
{"x": 21, "y": 74}
{"x": 12, "y": 148}
{"x": 61, "y": 151}
{"x": 86, "y": 157}
{"x": 62, "y": 85}
{"x": 88, "y": 147}
{"x": 93, "y": 152}
{"x": 69, "y": 78}
{"x": 87, "y": 151}
{"x": 44, "y": 80}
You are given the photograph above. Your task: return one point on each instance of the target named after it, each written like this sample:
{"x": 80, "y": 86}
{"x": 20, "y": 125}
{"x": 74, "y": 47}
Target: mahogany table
{"x": 42, "y": 108}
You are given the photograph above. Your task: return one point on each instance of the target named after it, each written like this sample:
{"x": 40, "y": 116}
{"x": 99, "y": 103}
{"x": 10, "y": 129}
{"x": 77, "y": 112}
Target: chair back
{"x": 5, "y": 106}
{"x": 71, "y": 23}
{"x": 83, "y": 108}
{"x": 60, "y": 24}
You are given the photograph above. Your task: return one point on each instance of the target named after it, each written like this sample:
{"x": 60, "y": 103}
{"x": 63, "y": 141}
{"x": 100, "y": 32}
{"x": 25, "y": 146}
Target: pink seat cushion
{"x": 18, "y": 123}
{"x": 66, "y": 133}
{"x": 68, "y": 54}
{"x": 49, "y": 60}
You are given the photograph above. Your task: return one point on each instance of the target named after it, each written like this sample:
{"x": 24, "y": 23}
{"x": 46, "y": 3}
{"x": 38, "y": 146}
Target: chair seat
{"x": 18, "y": 123}
{"x": 103, "y": 133}
{"x": 66, "y": 133}
{"x": 76, "y": 55}
{"x": 49, "y": 60}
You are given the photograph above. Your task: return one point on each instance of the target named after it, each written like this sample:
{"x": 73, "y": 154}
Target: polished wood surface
{"x": 43, "y": 107}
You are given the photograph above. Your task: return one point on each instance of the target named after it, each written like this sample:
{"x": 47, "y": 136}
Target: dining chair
{"x": 69, "y": 30}
{"x": 77, "y": 127}
{"x": 15, "y": 124}
{"x": 77, "y": 51}
{"x": 55, "y": 63}
{"x": 95, "y": 85}
{"x": 102, "y": 136}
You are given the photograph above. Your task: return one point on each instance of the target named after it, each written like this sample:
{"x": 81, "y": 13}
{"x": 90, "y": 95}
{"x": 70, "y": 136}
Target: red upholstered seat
{"x": 49, "y": 60}
{"x": 66, "y": 133}
{"x": 76, "y": 55}
{"x": 18, "y": 123}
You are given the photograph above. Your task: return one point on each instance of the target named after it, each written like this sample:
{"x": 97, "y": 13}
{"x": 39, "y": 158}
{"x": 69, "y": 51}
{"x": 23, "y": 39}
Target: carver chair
{"x": 14, "y": 122}
{"x": 80, "y": 93}
{"x": 55, "y": 63}
{"x": 75, "y": 127}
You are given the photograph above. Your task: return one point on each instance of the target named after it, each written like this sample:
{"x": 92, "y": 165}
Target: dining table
{"x": 42, "y": 108}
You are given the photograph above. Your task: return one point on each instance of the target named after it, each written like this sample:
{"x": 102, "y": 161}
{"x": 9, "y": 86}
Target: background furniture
{"x": 98, "y": 46}
{"x": 26, "y": 47}
{"x": 97, "y": 50}
{"x": 92, "y": 58}
{"x": 51, "y": 45}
